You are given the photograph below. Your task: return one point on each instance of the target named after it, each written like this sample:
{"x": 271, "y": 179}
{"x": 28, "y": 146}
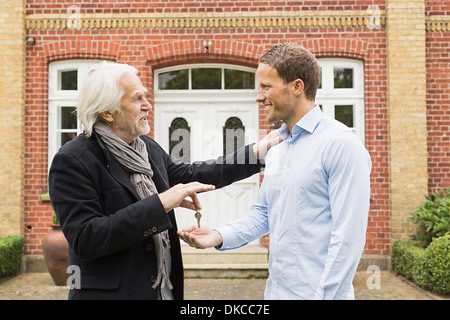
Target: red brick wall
{"x": 136, "y": 6}
{"x": 438, "y": 109}
{"x": 154, "y": 48}
{"x": 438, "y": 100}
{"x": 437, "y": 7}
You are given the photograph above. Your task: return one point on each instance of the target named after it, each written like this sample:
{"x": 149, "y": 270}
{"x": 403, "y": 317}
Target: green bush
{"x": 405, "y": 255}
{"x": 10, "y": 255}
{"x": 433, "y": 217}
{"x": 55, "y": 218}
{"x": 437, "y": 265}
{"x": 429, "y": 267}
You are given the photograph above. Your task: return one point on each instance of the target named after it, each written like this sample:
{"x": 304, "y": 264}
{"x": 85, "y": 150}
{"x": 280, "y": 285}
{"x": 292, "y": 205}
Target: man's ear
{"x": 297, "y": 86}
{"x": 107, "y": 116}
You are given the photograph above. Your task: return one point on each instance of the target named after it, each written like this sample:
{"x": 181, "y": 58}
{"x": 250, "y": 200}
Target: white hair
{"x": 101, "y": 93}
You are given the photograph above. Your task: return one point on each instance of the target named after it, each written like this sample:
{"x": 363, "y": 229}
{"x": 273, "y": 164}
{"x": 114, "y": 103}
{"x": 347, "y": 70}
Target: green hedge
{"x": 429, "y": 268}
{"x": 10, "y": 255}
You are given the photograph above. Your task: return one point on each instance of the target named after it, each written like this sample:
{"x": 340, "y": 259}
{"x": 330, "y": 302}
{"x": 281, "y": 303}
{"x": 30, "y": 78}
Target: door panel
{"x": 206, "y": 121}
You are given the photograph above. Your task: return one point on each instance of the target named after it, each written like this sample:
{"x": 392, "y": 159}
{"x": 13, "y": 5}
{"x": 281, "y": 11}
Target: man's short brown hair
{"x": 294, "y": 62}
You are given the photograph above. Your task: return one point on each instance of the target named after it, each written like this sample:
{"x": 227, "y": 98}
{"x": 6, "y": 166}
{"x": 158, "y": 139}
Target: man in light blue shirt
{"x": 314, "y": 198}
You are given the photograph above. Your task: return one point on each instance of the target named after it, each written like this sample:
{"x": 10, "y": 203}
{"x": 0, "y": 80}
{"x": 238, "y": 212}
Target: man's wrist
{"x": 219, "y": 240}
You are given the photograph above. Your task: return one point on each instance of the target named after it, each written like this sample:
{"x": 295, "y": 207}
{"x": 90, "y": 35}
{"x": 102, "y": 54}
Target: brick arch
{"x": 348, "y": 48}
{"x": 193, "y": 51}
{"x": 81, "y": 49}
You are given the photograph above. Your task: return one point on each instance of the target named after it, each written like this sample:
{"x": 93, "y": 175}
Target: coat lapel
{"x": 116, "y": 169}
{"x": 158, "y": 178}
{"x": 121, "y": 176}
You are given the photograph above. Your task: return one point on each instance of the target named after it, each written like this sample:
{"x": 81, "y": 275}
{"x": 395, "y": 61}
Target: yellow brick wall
{"x": 407, "y": 111}
{"x": 12, "y": 108}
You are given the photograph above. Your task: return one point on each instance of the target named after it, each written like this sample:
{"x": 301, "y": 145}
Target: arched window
{"x": 180, "y": 140}
{"x": 233, "y": 135}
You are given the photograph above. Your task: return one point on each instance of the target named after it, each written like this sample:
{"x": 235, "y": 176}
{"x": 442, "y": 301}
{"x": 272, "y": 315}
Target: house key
{"x": 198, "y": 216}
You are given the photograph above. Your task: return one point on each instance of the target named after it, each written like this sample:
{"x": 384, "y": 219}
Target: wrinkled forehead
{"x": 131, "y": 83}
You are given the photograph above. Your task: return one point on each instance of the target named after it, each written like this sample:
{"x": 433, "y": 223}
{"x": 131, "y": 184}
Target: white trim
{"x": 329, "y": 97}
{"x": 63, "y": 98}
{"x": 203, "y": 95}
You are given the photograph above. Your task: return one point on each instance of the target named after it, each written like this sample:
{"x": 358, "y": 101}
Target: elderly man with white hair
{"x": 114, "y": 189}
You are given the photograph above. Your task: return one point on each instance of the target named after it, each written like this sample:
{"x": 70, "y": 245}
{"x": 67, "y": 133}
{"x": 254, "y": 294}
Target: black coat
{"x": 109, "y": 229}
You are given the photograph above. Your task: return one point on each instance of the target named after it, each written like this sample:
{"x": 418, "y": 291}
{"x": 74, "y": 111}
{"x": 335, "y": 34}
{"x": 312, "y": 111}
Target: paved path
{"x": 39, "y": 286}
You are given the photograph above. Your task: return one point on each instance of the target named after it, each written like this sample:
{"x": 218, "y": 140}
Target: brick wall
{"x": 188, "y": 6}
{"x": 407, "y": 112}
{"x": 150, "y": 48}
{"x": 158, "y": 42}
{"x": 12, "y": 79}
{"x": 438, "y": 99}
{"x": 409, "y": 158}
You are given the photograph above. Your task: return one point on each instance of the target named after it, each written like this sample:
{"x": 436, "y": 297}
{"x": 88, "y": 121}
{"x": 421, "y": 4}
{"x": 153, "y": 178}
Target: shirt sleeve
{"x": 348, "y": 165}
{"x": 251, "y": 226}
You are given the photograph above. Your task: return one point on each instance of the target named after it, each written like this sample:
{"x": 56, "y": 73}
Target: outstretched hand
{"x": 176, "y": 196}
{"x": 200, "y": 238}
{"x": 273, "y": 138}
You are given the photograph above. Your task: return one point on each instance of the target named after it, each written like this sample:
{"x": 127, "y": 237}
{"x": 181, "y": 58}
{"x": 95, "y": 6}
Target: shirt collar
{"x": 308, "y": 123}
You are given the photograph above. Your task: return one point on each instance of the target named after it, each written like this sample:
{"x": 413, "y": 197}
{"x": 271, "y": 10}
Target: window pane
{"x": 174, "y": 80}
{"x": 68, "y": 80}
{"x": 344, "y": 114}
{"x": 67, "y": 136}
{"x": 68, "y": 118}
{"x": 233, "y": 135}
{"x": 343, "y": 78}
{"x": 236, "y": 79}
{"x": 206, "y": 78}
{"x": 320, "y": 84}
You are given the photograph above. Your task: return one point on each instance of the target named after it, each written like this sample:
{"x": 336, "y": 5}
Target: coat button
{"x": 153, "y": 278}
{"x": 154, "y": 229}
{"x": 149, "y": 247}
{"x": 145, "y": 234}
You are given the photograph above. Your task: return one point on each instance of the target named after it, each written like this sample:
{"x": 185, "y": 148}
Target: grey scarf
{"x": 134, "y": 159}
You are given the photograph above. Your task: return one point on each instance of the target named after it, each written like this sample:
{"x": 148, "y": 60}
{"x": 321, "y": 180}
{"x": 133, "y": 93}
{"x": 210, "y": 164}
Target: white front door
{"x": 206, "y": 121}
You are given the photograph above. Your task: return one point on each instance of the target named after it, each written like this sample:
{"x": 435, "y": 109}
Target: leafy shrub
{"x": 437, "y": 265}
{"x": 55, "y": 218}
{"x": 405, "y": 255}
{"x": 433, "y": 217}
{"x": 10, "y": 255}
{"x": 429, "y": 267}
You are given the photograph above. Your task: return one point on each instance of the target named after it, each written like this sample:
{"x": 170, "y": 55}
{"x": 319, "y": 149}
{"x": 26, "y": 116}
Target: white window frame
{"x": 207, "y": 94}
{"x": 63, "y": 98}
{"x": 328, "y": 97}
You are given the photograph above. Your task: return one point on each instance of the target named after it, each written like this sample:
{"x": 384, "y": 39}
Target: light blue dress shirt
{"x": 314, "y": 202}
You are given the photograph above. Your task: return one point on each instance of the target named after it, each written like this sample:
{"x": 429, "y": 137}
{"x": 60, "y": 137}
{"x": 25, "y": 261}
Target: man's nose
{"x": 260, "y": 97}
{"x": 147, "y": 105}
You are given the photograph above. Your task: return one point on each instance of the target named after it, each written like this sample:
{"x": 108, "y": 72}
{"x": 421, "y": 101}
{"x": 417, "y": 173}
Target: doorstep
{"x": 250, "y": 261}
